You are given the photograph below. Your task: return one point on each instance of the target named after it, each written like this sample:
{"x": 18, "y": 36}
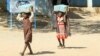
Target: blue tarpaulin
{"x": 78, "y": 3}
{"x": 96, "y": 3}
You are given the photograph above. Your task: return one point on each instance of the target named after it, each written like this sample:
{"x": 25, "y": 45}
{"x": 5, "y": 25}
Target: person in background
{"x": 61, "y": 29}
{"x": 62, "y": 23}
{"x": 27, "y": 19}
{"x": 64, "y": 2}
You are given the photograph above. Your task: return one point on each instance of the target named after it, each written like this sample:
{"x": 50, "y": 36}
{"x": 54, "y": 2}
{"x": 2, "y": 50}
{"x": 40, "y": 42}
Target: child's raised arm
{"x": 31, "y": 17}
{"x": 32, "y": 14}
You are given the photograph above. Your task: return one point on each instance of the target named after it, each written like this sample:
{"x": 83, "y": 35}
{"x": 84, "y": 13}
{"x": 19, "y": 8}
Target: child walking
{"x": 62, "y": 30}
{"x": 26, "y": 18}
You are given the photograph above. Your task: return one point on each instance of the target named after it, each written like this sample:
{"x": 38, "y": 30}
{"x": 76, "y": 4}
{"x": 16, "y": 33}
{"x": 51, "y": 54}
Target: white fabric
{"x": 60, "y": 19}
{"x": 24, "y": 8}
{"x": 62, "y": 8}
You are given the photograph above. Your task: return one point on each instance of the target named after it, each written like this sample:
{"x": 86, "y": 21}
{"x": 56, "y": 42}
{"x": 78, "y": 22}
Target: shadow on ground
{"x": 44, "y": 52}
{"x": 75, "y": 47}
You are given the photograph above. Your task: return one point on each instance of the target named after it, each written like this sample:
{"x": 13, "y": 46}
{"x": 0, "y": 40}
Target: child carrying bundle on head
{"x": 62, "y": 23}
{"x": 27, "y": 18}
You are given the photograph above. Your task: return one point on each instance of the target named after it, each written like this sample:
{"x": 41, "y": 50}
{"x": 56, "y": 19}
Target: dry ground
{"x": 85, "y": 39}
{"x": 45, "y": 44}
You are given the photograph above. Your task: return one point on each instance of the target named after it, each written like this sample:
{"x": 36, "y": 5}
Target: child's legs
{"x": 63, "y": 42}
{"x": 24, "y": 48}
{"x": 63, "y": 39}
{"x": 59, "y": 40}
{"x": 30, "y": 49}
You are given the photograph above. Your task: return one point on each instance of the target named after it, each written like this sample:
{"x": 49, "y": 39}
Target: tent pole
{"x": 11, "y": 21}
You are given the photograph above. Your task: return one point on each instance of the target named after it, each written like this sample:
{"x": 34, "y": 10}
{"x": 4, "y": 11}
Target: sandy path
{"x": 45, "y": 44}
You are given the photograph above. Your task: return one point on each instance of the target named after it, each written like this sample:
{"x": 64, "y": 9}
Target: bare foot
{"x": 31, "y": 53}
{"x": 59, "y": 46}
{"x": 62, "y": 46}
{"x": 22, "y": 54}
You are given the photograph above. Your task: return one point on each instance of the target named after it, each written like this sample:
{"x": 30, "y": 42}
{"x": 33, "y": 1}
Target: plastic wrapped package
{"x": 25, "y": 8}
{"x": 62, "y": 8}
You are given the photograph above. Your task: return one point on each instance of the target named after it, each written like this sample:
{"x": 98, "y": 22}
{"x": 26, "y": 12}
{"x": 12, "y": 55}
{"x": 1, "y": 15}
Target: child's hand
{"x": 69, "y": 33}
{"x": 66, "y": 36}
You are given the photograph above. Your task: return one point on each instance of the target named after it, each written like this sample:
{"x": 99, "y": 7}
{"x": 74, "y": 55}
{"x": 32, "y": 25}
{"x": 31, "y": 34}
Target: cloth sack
{"x": 62, "y": 8}
{"x": 25, "y": 8}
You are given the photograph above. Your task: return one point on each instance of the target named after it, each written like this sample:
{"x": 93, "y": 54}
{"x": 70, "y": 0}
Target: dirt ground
{"x": 45, "y": 44}
{"x": 84, "y": 41}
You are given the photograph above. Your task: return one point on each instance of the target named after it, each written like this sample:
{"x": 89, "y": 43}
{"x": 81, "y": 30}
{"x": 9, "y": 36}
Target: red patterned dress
{"x": 61, "y": 28}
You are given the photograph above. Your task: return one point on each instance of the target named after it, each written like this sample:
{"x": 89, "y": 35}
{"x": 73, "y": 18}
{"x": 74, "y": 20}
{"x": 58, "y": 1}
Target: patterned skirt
{"x": 61, "y": 31}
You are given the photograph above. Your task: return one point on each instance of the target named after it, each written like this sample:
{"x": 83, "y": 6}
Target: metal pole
{"x": 35, "y": 22}
{"x": 11, "y": 21}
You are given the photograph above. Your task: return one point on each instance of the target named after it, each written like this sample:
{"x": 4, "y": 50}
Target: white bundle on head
{"x": 61, "y": 8}
{"x": 25, "y": 8}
